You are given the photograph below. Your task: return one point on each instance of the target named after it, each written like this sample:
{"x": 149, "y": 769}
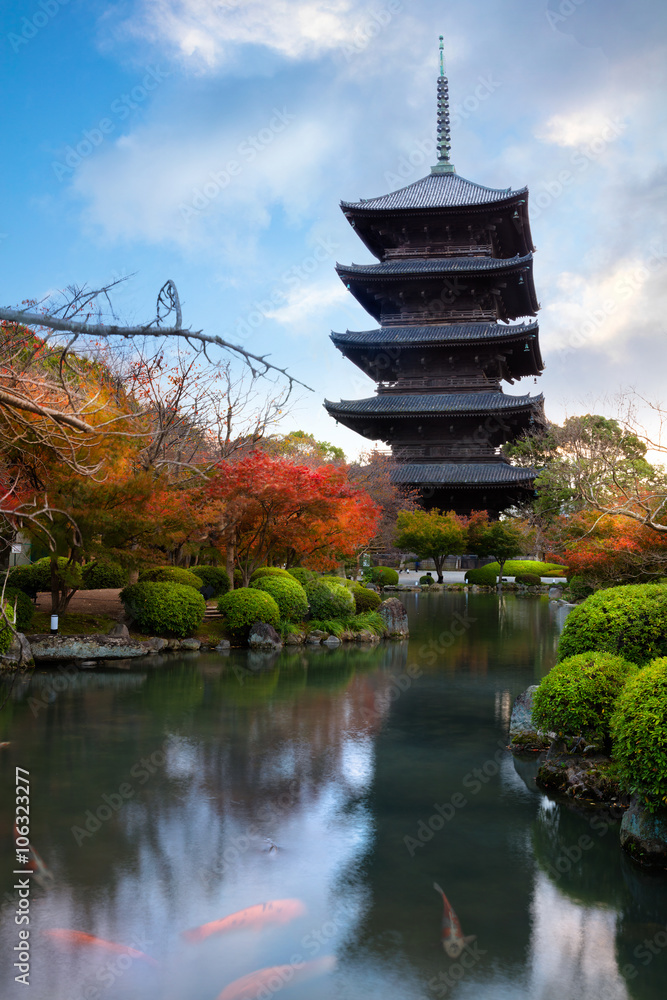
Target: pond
{"x": 166, "y": 797}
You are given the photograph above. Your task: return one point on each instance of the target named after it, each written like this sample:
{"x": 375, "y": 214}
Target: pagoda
{"x": 454, "y": 275}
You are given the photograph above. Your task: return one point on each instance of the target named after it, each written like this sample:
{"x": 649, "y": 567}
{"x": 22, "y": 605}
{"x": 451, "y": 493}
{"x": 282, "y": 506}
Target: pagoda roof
{"x": 454, "y": 474}
{"x": 443, "y": 333}
{"x": 446, "y": 190}
{"x": 436, "y": 404}
{"x": 434, "y": 266}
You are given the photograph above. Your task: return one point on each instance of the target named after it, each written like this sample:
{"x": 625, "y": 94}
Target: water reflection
{"x": 167, "y": 797}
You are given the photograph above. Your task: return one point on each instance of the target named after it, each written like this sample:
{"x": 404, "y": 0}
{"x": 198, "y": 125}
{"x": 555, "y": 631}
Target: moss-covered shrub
{"x": 528, "y": 579}
{"x": 639, "y": 731}
{"x": 72, "y": 573}
{"x": 630, "y": 621}
{"x": 384, "y": 576}
{"x": 364, "y": 599}
{"x": 269, "y": 571}
{"x": 24, "y": 607}
{"x": 301, "y": 575}
{"x": 24, "y": 578}
{"x": 288, "y": 594}
{"x": 579, "y": 589}
{"x": 577, "y": 696}
{"x": 6, "y": 634}
{"x": 483, "y": 577}
{"x": 243, "y": 607}
{"x": 164, "y": 608}
{"x": 329, "y": 600}
{"x": 103, "y": 575}
{"x": 333, "y": 581}
{"x": 171, "y": 574}
{"x": 426, "y": 581}
{"x": 514, "y": 566}
{"x": 213, "y": 576}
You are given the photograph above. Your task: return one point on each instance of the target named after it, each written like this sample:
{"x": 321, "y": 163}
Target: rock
{"x": 223, "y": 645}
{"x": 366, "y": 636}
{"x": 371, "y": 586}
{"x": 583, "y": 778}
{"x": 173, "y": 643}
{"x": 555, "y": 593}
{"x": 523, "y": 733}
{"x": 332, "y": 641}
{"x": 119, "y": 630}
{"x": 316, "y": 636}
{"x": 264, "y": 636}
{"x": 644, "y": 836}
{"x": 156, "y": 645}
{"x": 193, "y": 644}
{"x": 295, "y": 639}
{"x": 85, "y": 647}
{"x": 395, "y": 617}
{"x": 19, "y": 654}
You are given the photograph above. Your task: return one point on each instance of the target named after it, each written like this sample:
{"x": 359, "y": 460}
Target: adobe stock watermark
{"x": 121, "y": 109}
{"x": 373, "y": 23}
{"x": 31, "y": 26}
{"x": 445, "y": 981}
{"x": 267, "y": 814}
{"x": 566, "y": 8}
{"x": 113, "y": 970}
{"x": 246, "y": 152}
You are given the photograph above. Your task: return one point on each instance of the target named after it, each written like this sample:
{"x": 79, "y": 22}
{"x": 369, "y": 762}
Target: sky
{"x": 211, "y": 142}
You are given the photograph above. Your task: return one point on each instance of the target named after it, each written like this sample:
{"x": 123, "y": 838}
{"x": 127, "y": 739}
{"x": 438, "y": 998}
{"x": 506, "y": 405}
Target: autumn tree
{"x": 501, "y": 539}
{"x": 610, "y": 550}
{"x": 431, "y": 535}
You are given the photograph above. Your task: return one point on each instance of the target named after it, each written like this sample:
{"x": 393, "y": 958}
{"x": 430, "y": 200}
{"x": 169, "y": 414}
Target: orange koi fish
{"x": 453, "y": 940}
{"x": 43, "y": 875}
{"x": 79, "y": 939}
{"x": 275, "y": 977}
{"x": 277, "y": 911}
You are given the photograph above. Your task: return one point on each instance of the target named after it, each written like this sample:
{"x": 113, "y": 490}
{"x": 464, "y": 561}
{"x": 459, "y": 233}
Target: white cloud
{"x": 203, "y": 33}
{"x": 304, "y": 306}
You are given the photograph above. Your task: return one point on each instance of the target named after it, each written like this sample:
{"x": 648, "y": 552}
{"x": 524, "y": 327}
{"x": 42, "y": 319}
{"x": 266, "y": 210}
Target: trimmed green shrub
{"x": 103, "y": 575}
{"x": 384, "y": 576}
{"x": 334, "y": 581}
{"x": 238, "y": 577}
{"x": 243, "y": 607}
{"x": 288, "y": 594}
{"x": 426, "y": 581}
{"x": 41, "y": 574}
{"x": 639, "y": 731}
{"x": 171, "y": 574}
{"x": 24, "y": 607}
{"x": 483, "y": 577}
{"x": 213, "y": 576}
{"x": 579, "y": 589}
{"x": 269, "y": 571}
{"x": 301, "y": 575}
{"x": 577, "y": 696}
{"x": 6, "y": 634}
{"x": 24, "y": 578}
{"x": 329, "y": 600}
{"x": 528, "y": 579}
{"x": 364, "y": 599}
{"x": 630, "y": 621}
{"x": 164, "y": 608}
{"x": 514, "y": 566}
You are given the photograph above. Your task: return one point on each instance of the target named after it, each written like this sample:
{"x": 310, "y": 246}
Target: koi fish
{"x": 43, "y": 875}
{"x": 275, "y": 977}
{"x": 453, "y": 940}
{"x": 79, "y": 939}
{"x": 277, "y": 911}
{"x": 3, "y": 745}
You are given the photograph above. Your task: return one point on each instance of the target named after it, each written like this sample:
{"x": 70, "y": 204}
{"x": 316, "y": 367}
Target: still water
{"x": 168, "y": 796}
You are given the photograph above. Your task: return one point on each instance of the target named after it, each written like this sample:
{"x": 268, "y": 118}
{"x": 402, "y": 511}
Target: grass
{"x": 73, "y": 623}
{"x": 514, "y": 566}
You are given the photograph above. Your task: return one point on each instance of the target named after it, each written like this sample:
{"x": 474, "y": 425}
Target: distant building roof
{"x": 434, "y": 265}
{"x": 453, "y": 474}
{"x": 437, "y": 191}
{"x": 468, "y": 403}
{"x": 436, "y": 334}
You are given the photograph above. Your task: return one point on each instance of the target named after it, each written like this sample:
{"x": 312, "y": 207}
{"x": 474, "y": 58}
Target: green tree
{"x": 431, "y": 535}
{"x": 501, "y": 539}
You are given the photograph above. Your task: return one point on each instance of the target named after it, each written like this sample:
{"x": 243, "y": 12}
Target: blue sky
{"x": 211, "y": 142}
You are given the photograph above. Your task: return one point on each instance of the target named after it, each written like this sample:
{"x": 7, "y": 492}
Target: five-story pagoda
{"x": 455, "y": 272}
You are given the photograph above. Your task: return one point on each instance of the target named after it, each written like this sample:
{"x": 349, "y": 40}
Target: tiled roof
{"x": 434, "y": 265}
{"x": 436, "y": 403}
{"x": 437, "y": 191}
{"x": 437, "y": 334}
{"x": 452, "y": 474}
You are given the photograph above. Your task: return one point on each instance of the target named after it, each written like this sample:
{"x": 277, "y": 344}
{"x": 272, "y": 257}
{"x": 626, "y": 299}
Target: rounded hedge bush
{"x": 639, "y": 731}
{"x": 288, "y": 594}
{"x": 103, "y": 575}
{"x": 38, "y": 575}
{"x": 384, "y": 576}
{"x": 630, "y": 621}
{"x": 243, "y": 607}
{"x": 24, "y": 578}
{"x": 577, "y": 696}
{"x": 24, "y": 607}
{"x": 213, "y": 576}
{"x": 579, "y": 589}
{"x": 426, "y": 581}
{"x": 301, "y": 575}
{"x": 364, "y": 599}
{"x": 171, "y": 574}
{"x": 528, "y": 579}
{"x": 482, "y": 577}
{"x": 329, "y": 600}
{"x": 269, "y": 571}
{"x": 6, "y": 634}
{"x": 163, "y": 608}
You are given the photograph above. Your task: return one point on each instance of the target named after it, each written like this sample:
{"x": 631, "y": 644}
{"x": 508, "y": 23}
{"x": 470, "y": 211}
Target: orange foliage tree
{"x": 609, "y": 550}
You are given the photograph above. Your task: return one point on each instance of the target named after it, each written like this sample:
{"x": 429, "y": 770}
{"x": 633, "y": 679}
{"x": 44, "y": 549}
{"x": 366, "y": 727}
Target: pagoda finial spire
{"x": 443, "y": 166}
